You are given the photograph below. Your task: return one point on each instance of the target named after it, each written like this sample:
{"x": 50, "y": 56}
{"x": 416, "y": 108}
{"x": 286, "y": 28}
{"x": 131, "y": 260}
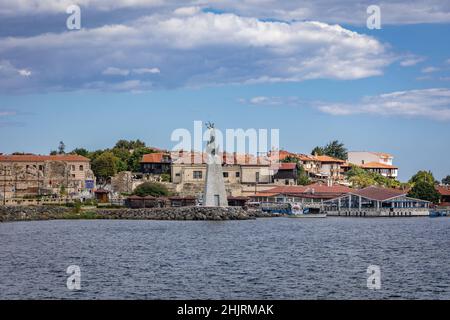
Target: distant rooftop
{"x": 42, "y": 158}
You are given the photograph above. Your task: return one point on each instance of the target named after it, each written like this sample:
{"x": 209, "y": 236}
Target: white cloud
{"x": 146, "y": 70}
{"x": 24, "y": 72}
{"x": 425, "y": 103}
{"x": 411, "y": 61}
{"x": 429, "y": 69}
{"x": 187, "y": 11}
{"x": 197, "y": 50}
{"x": 271, "y": 101}
{"x": 112, "y": 71}
{"x": 342, "y": 11}
{"x": 7, "y": 113}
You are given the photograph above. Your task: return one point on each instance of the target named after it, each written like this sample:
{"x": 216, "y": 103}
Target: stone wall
{"x": 28, "y": 213}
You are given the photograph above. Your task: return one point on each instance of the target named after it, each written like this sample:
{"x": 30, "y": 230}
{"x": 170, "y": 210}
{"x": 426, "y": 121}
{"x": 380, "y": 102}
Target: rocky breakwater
{"x": 182, "y": 213}
{"x": 28, "y": 213}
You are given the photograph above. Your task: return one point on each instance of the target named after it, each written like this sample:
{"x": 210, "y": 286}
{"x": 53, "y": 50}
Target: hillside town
{"x": 316, "y": 181}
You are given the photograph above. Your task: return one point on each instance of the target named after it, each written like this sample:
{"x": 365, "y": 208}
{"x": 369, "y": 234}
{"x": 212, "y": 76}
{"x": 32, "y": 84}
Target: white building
{"x": 378, "y": 162}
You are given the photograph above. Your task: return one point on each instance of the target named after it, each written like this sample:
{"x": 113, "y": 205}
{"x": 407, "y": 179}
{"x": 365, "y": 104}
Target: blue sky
{"x": 142, "y": 71}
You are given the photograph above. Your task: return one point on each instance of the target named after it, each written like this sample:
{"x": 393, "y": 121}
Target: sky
{"x": 313, "y": 70}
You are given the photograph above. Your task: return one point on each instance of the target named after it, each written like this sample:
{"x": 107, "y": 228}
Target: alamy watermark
{"x": 73, "y": 22}
{"x": 374, "y": 19}
{"x": 234, "y": 146}
{"x": 374, "y": 279}
{"x": 74, "y": 280}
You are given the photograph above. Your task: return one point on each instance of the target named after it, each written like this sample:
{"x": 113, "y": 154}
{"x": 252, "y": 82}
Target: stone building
{"x": 156, "y": 163}
{"x": 32, "y": 175}
{"x": 318, "y": 167}
{"x": 188, "y": 172}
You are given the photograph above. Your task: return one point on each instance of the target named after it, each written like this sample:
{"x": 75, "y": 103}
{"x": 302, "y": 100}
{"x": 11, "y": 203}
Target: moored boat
{"x": 439, "y": 213}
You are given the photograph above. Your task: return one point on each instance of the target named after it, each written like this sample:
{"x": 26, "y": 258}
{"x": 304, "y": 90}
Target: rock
{"x": 25, "y": 213}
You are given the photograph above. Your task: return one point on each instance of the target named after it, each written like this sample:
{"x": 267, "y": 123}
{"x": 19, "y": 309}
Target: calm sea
{"x": 277, "y": 258}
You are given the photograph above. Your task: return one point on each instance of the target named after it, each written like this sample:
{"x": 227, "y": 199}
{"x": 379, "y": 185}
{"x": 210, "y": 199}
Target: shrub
{"x": 151, "y": 189}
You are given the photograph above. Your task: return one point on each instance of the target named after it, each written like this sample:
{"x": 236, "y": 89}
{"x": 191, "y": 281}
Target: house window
{"x": 177, "y": 174}
{"x": 238, "y": 174}
{"x": 225, "y": 174}
{"x": 197, "y": 175}
{"x": 73, "y": 167}
{"x": 73, "y": 176}
{"x": 81, "y": 168}
{"x": 41, "y": 167}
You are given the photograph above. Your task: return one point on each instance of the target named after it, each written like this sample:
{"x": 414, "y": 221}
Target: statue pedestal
{"x": 215, "y": 193}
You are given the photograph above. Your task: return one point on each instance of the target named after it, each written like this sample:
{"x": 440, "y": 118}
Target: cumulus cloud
{"x": 425, "y": 103}
{"x": 334, "y": 11}
{"x": 202, "y": 48}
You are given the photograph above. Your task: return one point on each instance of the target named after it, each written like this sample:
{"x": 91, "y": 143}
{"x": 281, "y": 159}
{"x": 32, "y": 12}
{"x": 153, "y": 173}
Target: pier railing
{"x": 382, "y": 212}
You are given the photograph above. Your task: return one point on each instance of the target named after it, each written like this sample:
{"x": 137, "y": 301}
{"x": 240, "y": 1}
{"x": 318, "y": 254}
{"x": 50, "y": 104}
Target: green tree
{"x": 129, "y": 145}
{"x": 446, "y": 180}
{"x": 422, "y": 175}
{"x": 105, "y": 165}
{"x": 424, "y": 190}
{"x": 360, "y": 178}
{"x": 336, "y": 149}
{"x": 302, "y": 176}
{"x": 123, "y": 156}
{"x": 81, "y": 152}
{"x": 333, "y": 149}
{"x": 61, "y": 148}
{"x": 318, "y": 151}
{"x": 151, "y": 189}
{"x": 134, "y": 161}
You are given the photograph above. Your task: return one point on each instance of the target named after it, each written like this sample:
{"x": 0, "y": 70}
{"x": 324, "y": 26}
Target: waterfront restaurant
{"x": 314, "y": 194}
{"x": 376, "y": 201}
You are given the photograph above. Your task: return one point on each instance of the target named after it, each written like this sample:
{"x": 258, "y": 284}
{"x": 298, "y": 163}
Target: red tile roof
{"x": 443, "y": 190}
{"x": 310, "y": 189}
{"x": 153, "y": 157}
{"x": 328, "y": 159}
{"x": 380, "y": 194}
{"x": 42, "y": 158}
{"x": 287, "y": 166}
{"x": 283, "y": 154}
{"x": 377, "y": 165}
{"x": 382, "y": 154}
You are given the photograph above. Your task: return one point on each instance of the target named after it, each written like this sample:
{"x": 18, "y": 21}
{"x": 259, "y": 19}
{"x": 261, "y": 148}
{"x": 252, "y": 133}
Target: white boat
{"x": 299, "y": 212}
{"x": 308, "y": 215}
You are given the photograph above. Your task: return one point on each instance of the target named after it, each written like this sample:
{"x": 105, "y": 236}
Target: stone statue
{"x": 215, "y": 194}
